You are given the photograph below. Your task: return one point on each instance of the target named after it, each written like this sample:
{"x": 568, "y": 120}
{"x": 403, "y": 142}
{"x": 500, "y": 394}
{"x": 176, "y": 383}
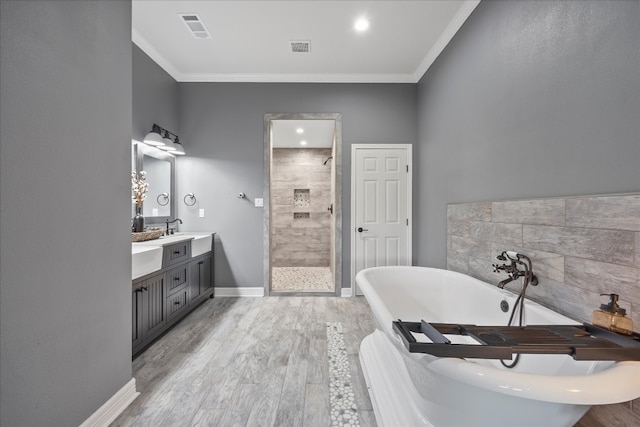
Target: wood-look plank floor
{"x": 263, "y": 362}
{"x": 249, "y": 362}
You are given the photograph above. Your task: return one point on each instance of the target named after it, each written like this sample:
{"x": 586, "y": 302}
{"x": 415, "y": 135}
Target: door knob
{"x": 360, "y": 229}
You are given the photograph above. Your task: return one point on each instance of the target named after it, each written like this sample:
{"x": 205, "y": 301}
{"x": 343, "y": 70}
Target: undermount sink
{"x": 145, "y": 259}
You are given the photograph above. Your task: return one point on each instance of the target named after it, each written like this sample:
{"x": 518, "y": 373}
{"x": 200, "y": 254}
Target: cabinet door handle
{"x": 176, "y": 303}
{"x": 201, "y": 262}
{"x": 176, "y": 252}
{"x": 176, "y": 278}
{"x": 144, "y": 288}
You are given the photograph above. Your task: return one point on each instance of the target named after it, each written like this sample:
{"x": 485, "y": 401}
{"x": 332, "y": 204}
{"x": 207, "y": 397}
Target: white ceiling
{"x": 251, "y": 39}
{"x": 316, "y": 133}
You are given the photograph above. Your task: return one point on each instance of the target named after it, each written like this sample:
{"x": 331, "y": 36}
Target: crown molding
{"x": 167, "y": 66}
{"x": 299, "y": 78}
{"x": 456, "y": 23}
{"x": 459, "y": 19}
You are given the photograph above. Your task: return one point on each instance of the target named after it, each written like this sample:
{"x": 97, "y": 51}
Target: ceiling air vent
{"x": 195, "y": 25}
{"x": 300, "y": 46}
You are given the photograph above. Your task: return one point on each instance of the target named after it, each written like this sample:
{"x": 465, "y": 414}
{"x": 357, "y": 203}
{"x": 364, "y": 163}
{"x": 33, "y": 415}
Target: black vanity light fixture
{"x": 168, "y": 143}
{"x": 160, "y": 137}
{"x": 154, "y": 138}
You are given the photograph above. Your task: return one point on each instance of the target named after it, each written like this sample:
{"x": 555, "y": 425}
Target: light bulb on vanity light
{"x": 168, "y": 144}
{"x": 179, "y": 150}
{"x": 154, "y": 138}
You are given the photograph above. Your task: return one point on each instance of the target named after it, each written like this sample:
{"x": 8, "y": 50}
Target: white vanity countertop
{"x": 146, "y": 257}
{"x": 174, "y": 238}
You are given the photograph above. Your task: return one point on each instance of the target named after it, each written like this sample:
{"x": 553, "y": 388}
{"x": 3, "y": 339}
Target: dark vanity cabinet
{"x": 201, "y": 278}
{"x": 148, "y": 300}
{"x": 177, "y": 300}
{"x": 162, "y": 298}
{"x": 177, "y": 253}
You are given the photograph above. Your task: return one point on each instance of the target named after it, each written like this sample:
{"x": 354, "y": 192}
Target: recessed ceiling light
{"x": 299, "y": 130}
{"x": 361, "y": 24}
{"x": 303, "y": 142}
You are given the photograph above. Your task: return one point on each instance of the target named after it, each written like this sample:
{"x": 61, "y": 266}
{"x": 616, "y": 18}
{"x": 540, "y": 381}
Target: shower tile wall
{"x": 581, "y": 247}
{"x": 300, "y": 225}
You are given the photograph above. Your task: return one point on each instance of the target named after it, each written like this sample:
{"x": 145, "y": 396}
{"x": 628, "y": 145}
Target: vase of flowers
{"x": 139, "y": 187}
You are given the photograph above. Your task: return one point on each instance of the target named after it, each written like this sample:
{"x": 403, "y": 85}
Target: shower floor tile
{"x": 313, "y": 279}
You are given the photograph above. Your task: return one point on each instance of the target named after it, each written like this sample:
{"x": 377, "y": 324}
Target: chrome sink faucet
{"x": 171, "y": 222}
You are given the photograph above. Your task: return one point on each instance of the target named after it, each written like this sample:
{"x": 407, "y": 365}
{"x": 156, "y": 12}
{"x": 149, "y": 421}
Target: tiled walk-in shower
{"x": 301, "y": 217}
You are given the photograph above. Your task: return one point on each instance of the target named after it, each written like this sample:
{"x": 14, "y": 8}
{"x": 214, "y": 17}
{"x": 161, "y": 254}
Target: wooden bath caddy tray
{"x": 586, "y": 342}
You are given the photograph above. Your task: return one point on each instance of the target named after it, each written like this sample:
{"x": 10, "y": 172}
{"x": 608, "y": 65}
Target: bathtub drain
{"x": 504, "y": 306}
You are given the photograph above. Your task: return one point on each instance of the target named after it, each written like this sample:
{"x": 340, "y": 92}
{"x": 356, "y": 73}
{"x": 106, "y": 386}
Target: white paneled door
{"x": 381, "y": 206}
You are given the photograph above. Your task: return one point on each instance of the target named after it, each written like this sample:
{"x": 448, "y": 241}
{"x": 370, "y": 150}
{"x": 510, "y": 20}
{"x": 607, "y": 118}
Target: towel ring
{"x": 192, "y": 197}
{"x": 165, "y": 197}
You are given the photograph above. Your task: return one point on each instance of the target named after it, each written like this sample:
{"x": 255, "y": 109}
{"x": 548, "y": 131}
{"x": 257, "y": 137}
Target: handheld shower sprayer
{"x": 514, "y": 258}
{"x": 512, "y": 268}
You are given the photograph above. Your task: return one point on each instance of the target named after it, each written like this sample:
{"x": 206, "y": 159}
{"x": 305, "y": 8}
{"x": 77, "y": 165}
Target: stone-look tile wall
{"x": 332, "y": 221}
{"x": 580, "y": 247}
{"x": 300, "y": 242}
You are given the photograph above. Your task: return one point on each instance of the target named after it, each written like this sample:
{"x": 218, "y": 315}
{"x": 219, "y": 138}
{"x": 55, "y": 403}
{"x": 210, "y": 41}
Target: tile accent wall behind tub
{"x": 580, "y": 247}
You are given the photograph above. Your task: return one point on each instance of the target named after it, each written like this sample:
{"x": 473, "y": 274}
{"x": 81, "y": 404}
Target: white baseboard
{"x": 238, "y": 292}
{"x": 113, "y": 407}
{"x": 258, "y": 292}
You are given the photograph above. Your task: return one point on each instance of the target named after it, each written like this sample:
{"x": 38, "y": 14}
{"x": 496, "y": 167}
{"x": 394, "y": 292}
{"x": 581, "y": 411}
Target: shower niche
{"x": 301, "y": 200}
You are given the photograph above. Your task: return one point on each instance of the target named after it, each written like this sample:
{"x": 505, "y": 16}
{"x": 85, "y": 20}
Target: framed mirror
{"x": 159, "y": 204}
{"x": 134, "y": 167}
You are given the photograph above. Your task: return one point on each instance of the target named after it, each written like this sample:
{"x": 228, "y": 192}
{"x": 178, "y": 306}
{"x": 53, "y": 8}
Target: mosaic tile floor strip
{"x": 344, "y": 411}
{"x": 302, "y": 279}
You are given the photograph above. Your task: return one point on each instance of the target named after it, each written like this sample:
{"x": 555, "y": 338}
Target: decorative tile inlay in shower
{"x": 301, "y": 198}
{"x": 344, "y": 411}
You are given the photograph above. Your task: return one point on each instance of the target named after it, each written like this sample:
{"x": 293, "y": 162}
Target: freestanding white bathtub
{"x": 413, "y": 389}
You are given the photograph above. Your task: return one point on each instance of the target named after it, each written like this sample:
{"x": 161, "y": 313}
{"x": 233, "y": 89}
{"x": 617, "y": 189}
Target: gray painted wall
{"x": 65, "y": 138}
{"x": 530, "y": 99}
{"x": 221, "y": 128}
{"x": 155, "y": 96}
